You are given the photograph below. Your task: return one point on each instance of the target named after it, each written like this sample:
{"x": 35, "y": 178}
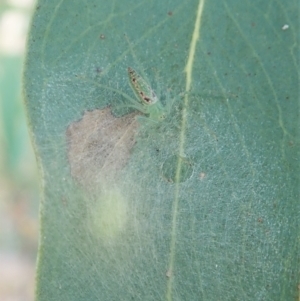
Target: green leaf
{"x": 203, "y": 205}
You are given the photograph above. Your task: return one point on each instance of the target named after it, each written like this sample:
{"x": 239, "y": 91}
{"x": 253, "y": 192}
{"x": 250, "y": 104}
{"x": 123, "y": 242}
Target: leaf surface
{"x": 203, "y": 205}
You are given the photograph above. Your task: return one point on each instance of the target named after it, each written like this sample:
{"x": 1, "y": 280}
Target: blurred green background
{"x": 19, "y": 186}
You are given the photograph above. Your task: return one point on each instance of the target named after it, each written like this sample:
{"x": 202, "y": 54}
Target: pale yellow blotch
{"x": 109, "y": 216}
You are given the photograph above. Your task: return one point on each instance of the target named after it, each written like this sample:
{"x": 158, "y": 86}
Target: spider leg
{"x": 137, "y": 107}
{"x": 147, "y": 119}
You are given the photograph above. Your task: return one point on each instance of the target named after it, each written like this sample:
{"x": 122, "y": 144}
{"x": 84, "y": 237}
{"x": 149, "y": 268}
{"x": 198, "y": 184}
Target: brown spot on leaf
{"x": 99, "y": 146}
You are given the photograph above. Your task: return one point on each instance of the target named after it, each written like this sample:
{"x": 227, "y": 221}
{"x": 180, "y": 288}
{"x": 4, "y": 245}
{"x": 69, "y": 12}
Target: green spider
{"x": 148, "y": 102}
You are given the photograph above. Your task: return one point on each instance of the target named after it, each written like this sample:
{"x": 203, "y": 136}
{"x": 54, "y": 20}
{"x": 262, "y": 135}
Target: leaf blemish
{"x": 99, "y": 146}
